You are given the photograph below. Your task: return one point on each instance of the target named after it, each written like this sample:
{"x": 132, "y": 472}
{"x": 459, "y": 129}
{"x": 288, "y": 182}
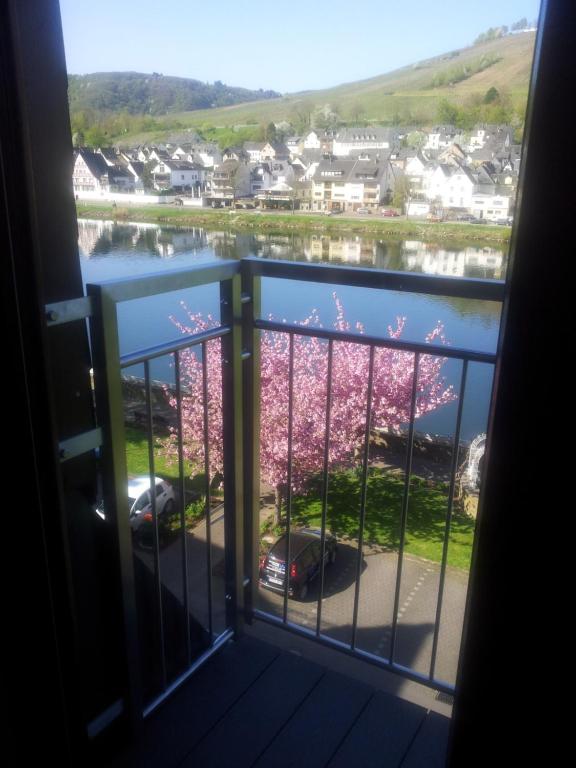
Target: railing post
{"x": 231, "y": 314}
{"x": 251, "y": 301}
{"x": 110, "y": 414}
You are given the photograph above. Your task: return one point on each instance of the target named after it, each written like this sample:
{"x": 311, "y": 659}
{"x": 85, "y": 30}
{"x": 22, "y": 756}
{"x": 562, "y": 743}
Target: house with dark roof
{"x": 348, "y": 184}
{"x": 267, "y": 174}
{"x": 230, "y": 179}
{"x": 90, "y": 173}
{"x": 180, "y": 175}
{"x": 295, "y": 145}
{"x": 498, "y": 135}
{"x": 347, "y": 140}
{"x": 476, "y": 191}
{"x": 237, "y": 153}
{"x": 95, "y": 172}
{"x": 442, "y": 136}
{"x": 110, "y": 156}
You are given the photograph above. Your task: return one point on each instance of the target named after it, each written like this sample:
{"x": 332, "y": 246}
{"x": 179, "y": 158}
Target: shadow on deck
{"x": 256, "y": 705}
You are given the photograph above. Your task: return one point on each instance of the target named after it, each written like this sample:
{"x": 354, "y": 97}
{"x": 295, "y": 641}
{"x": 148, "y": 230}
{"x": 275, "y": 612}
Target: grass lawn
{"x": 426, "y": 515}
{"x": 138, "y": 462}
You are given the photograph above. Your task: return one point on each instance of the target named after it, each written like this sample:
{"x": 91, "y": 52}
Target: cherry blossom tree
{"x": 391, "y": 397}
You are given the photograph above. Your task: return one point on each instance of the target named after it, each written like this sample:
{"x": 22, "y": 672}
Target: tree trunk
{"x": 278, "y": 505}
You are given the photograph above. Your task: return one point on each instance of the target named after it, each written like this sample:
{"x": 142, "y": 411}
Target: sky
{"x": 287, "y": 47}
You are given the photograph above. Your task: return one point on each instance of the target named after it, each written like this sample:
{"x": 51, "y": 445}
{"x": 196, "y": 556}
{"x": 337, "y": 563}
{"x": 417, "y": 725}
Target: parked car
{"x": 305, "y": 559}
{"x": 434, "y": 217}
{"x": 390, "y": 212}
{"x": 140, "y": 502}
{"x": 504, "y": 222}
{"x": 465, "y": 217}
{"x": 363, "y": 210}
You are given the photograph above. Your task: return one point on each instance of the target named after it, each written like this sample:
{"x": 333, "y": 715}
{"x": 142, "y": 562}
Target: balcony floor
{"x": 256, "y": 705}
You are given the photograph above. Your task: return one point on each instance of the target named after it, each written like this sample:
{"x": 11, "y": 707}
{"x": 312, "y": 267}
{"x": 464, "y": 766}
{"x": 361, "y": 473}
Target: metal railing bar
{"x": 404, "y": 514}
{"x": 143, "y": 286}
{"x": 182, "y": 493}
{"x": 207, "y": 508}
{"x": 357, "y": 653}
{"x": 151, "y": 467}
{"x": 363, "y": 495}
{"x": 289, "y": 472}
{"x": 325, "y": 485}
{"x": 171, "y": 347}
{"x": 80, "y": 444}
{"x": 453, "y": 470}
{"x": 422, "y": 348}
{"x": 220, "y": 641}
{"x": 68, "y": 311}
{"x": 363, "y": 277}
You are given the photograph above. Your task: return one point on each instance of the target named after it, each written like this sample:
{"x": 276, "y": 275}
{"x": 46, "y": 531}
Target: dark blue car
{"x": 304, "y": 561}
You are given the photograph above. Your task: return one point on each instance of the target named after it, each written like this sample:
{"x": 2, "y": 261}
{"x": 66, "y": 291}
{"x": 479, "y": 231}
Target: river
{"x": 109, "y": 250}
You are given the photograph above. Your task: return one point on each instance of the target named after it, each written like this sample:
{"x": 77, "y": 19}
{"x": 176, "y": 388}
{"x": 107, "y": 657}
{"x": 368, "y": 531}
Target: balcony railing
{"x": 174, "y": 576}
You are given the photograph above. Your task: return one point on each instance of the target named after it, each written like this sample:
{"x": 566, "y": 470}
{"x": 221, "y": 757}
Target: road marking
{"x": 385, "y": 638}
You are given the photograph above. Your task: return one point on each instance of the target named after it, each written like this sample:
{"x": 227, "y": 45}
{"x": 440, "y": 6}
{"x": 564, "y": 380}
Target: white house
{"x": 490, "y": 206}
{"x": 254, "y": 150}
{"x": 417, "y": 208}
{"x": 312, "y": 141}
{"x": 178, "y": 174}
{"x": 90, "y": 173}
{"x": 415, "y": 171}
{"x": 347, "y": 140}
{"x": 295, "y": 195}
{"x": 208, "y": 155}
{"x": 456, "y": 186}
{"x": 441, "y": 137}
{"x": 295, "y": 145}
{"x": 265, "y": 175}
{"x": 502, "y": 136}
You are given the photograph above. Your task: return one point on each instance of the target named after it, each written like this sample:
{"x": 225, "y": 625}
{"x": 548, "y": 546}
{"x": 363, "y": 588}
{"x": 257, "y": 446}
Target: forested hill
{"x": 155, "y": 94}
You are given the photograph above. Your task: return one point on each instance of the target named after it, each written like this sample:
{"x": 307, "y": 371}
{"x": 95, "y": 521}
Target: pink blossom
{"x": 391, "y": 396}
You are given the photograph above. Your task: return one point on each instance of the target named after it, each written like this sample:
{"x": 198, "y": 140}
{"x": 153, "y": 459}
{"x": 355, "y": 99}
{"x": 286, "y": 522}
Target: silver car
{"x": 140, "y": 501}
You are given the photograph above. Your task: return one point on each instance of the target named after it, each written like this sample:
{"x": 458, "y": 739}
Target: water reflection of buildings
{"x": 97, "y": 238}
{"x": 100, "y": 238}
{"x": 89, "y": 235}
{"x": 466, "y": 262}
{"x": 348, "y": 250}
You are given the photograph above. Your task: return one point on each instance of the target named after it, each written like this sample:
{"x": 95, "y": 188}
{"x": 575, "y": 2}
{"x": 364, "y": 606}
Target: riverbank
{"x": 250, "y": 221}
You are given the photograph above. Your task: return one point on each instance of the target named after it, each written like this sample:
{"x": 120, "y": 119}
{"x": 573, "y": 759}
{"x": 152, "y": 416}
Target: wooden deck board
{"x": 253, "y": 705}
{"x": 315, "y": 731}
{"x": 430, "y": 746}
{"x": 181, "y": 722}
{"x": 255, "y": 720}
{"x": 382, "y": 735}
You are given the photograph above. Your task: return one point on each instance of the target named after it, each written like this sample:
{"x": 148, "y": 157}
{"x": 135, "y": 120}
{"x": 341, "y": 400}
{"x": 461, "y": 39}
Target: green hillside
{"x": 154, "y": 94}
{"x": 410, "y": 95}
